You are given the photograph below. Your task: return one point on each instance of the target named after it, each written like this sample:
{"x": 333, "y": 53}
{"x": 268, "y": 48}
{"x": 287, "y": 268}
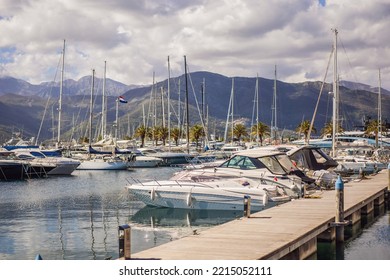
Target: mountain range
{"x": 25, "y": 107}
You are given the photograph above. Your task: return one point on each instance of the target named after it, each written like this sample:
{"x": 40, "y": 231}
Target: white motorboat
{"x": 59, "y": 165}
{"x": 267, "y": 166}
{"x": 223, "y": 194}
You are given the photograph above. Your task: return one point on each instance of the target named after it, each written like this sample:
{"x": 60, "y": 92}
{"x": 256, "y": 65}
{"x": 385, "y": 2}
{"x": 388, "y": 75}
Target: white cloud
{"x": 234, "y": 38}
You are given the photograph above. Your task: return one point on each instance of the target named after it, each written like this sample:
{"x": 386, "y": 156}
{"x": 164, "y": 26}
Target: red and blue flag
{"x": 121, "y": 99}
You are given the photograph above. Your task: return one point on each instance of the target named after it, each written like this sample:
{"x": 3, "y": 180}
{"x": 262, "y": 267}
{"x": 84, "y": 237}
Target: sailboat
{"x": 97, "y": 160}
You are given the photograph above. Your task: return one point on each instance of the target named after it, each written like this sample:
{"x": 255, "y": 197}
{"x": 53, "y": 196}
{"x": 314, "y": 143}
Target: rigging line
{"x": 47, "y": 102}
{"x": 171, "y": 106}
{"x": 319, "y": 96}
{"x": 349, "y": 61}
{"x": 197, "y": 106}
{"x": 253, "y": 111}
{"x": 77, "y": 118}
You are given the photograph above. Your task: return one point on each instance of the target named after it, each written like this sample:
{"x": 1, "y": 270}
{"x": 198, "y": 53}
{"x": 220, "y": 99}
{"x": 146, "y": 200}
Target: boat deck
{"x": 276, "y": 233}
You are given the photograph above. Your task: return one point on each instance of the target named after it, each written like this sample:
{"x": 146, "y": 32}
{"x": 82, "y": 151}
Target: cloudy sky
{"x": 230, "y": 37}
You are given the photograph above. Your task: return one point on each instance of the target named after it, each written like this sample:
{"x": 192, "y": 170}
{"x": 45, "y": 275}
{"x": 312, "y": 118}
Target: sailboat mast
{"x": 380, "y": 107}
{"x": 60, "y": 100}
{"x": 116, "y": 119}
{"x": 104, "y": 101}
{"x": 91, "y": 108}
{"x": 232, "y": 110}
{"x": 274, "y": 121}
{"x": 169, "y": 105}
{"x": 162, "y": 107}
{"x": 179, "y": 123}
{"x": 228, "y": 114}
{"x": 335, "y": 96}
{"x": 257, "y": 108}
{"x": 187, "y": 107}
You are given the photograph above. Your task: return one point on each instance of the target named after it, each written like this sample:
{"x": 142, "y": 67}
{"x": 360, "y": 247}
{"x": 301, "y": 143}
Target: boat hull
{"x": 102, "y": 165}
{"x": 64, "y": 169}
{"x": 12, "y": 171}
{"x": 202, "y": 197}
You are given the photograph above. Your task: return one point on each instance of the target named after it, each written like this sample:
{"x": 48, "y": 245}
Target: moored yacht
{"x": 267, "y": 166}
{"x": 57, "y": 165}
{"x": 223, "y": 194}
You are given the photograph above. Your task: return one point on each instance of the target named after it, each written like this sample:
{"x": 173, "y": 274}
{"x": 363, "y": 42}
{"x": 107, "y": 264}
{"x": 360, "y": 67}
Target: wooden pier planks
{"x": 271, "y": 233}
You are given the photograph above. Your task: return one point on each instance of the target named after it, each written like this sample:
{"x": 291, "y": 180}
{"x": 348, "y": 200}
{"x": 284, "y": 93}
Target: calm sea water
{"x": 77, "y": 217}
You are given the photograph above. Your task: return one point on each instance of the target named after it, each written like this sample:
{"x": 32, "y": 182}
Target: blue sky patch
{"x": 7, "y": 54}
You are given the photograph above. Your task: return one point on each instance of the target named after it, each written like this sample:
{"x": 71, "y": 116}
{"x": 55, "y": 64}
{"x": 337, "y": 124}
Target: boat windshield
{"x": 243, "y": 162}
{"x": 272, "y": 163}
{"x": 286, "y": 163}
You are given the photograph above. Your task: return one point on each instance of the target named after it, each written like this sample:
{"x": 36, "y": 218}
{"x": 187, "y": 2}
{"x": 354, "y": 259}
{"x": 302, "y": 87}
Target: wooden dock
{"x": 288, "y": 231}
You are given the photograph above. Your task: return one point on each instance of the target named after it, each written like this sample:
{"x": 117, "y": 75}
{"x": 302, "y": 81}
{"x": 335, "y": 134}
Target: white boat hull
{"x": 215, "y": 196}
{"x": 102, "y": 165}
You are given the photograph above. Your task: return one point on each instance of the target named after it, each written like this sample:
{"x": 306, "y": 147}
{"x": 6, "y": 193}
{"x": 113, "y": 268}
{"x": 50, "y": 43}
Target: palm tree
{"x": 153, "y": 134}
{"x": 262, "y": 130}
{"x": 175, "y": 135}
{"x": 239, "y": 131}
{"x": 328, "y": 129}
{"x": 141, "y": 132}
{"x": 162, "y": 134}
{"x": 304, "y": 128}
{"x": 373, "y": 127}
{"x": 197, "y": 132}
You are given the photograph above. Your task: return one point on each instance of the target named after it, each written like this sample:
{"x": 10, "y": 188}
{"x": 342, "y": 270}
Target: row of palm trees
{"x": 258, "y": 131}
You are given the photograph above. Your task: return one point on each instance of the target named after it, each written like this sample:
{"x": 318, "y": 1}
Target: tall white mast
{"x": 91, "y": 107}
{"x": 104, "y": 101}
{"x": 380, "y": 107}
{"x": 257, "y": 108}
{"x": 232, "y": 109}
{"x": 228, "y": 113}
{"x": 169, "y": 105}
{"x": 187, "y": 107}
{"x": 60, "y": 100}
{"x": 335, "y": 96}
{"x": 116, "y": 119}
{"x": 162, "y": 107}
{"x": 274, "y": 121}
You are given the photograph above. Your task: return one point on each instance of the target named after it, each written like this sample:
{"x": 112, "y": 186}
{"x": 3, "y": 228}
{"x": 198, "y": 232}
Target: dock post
{"x": 124, "y": 233}
{"x": 388, "y": 183}
{"x": 388, "y": 174}
{"x": 339, "y": 218}
{"x": 247, "y": 206}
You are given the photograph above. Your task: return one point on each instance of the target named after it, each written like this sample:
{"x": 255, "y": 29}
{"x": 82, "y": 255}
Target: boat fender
{"x": 189, "y": 200}
{"x": 265, "y": 199}
{"x": 153, "y": 194}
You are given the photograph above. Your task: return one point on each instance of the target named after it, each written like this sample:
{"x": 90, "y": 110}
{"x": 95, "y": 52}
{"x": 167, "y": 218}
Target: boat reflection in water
{"x": 171, "y": 217}
{"x": 152, "y": 226}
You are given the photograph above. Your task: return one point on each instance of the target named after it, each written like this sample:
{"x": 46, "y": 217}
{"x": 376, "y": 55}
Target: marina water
{"x": 77, "y": 217}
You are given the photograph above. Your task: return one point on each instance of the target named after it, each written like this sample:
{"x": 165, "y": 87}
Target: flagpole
{"x": 116, "y": 120}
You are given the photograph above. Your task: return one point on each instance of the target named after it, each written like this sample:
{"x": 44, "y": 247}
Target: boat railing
{"x": 182, "y": 183}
